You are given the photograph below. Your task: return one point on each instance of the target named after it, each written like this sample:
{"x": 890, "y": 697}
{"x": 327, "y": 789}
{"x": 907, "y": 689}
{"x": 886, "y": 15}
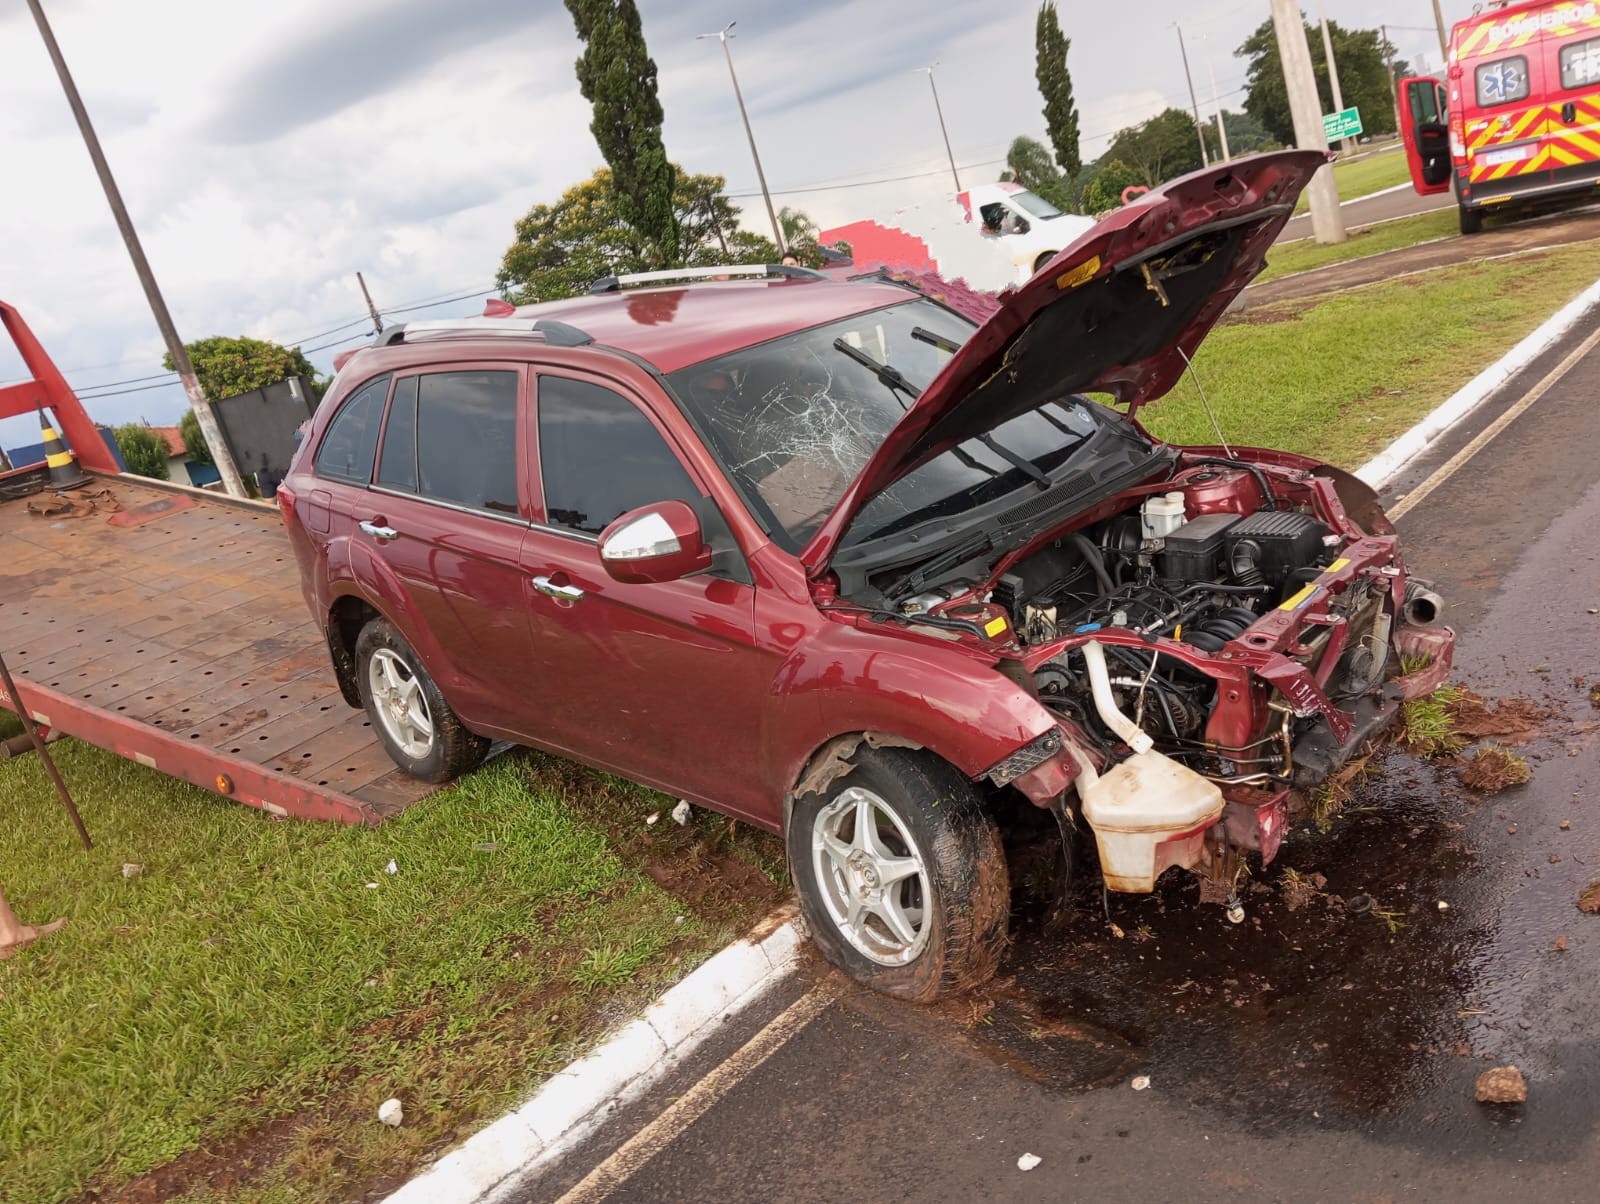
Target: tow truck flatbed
{"x": 169, "y": 628}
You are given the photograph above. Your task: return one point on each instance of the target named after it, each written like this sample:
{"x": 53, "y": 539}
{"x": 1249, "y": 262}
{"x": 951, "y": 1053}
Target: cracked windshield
{"x": 794, "y": 420}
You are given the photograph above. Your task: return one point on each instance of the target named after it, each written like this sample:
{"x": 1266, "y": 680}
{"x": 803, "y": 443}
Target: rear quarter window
{"x": 350, "y": 443}
{"x": 1502, "y": 81}
{"x": 1580, "y": 64}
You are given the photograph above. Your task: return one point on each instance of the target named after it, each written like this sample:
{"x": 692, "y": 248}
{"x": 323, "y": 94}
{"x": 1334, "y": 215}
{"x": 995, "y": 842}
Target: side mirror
{"x": 659, "y": 542}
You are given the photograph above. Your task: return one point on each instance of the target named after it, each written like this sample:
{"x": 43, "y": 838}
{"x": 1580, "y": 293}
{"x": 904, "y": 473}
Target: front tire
{"x": 418, "y": 729}
{"x": 1044, "y": 258}
{"x": 901, "y": 875}
{"x": 1471, "y": 219}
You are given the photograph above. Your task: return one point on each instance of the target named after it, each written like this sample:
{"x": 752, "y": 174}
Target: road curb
{"x": 499, "y": 1161}
{"x": 1394, "y": 458}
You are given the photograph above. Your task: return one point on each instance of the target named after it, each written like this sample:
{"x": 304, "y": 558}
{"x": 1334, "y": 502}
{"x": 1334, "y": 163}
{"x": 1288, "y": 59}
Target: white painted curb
{"x": 1388, "y": 464}
{"x": 500, "y": 1160}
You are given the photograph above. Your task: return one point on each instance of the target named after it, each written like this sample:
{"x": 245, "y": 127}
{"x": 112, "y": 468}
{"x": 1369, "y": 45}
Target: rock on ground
{"x": 1502, "y": 1085}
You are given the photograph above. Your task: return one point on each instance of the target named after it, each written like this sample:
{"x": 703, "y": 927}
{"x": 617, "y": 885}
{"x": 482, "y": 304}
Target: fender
{"x": 350, "y": 564}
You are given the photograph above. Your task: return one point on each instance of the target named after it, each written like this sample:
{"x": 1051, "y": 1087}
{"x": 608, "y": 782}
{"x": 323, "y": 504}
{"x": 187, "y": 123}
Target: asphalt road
{"x": 1381, "y": 207}
{"x": 1305, "y": 1055}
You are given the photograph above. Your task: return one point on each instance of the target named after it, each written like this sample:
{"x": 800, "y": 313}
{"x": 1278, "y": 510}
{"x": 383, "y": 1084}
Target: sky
{"x": 270, "y": 149}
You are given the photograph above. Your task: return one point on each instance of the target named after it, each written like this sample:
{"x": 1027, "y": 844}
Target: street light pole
{"x": 1444, "y": 38}
{"x": 723, "y": 35}
{"x": 1327, "y": 222}
{"x": 220, "y": 454}
{"x": 1222, "y": 132}
{"x": 1199, "y": 129}
{"x": 939, "y": 109}
{"x": 1333, "y": 69}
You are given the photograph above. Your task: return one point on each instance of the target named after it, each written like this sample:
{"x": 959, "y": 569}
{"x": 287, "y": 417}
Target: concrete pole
{"x": 761, "y": 178}
{"x": 1222, "y": 131}
{"x": 939, "y": 109}
{"x": 1444, "y": 36}
{"x": 1394, "y": 84}
{"x": 1333, "y": 70}
{"x": 209, "y": 427}
{"x": 1199, "y": 126}
{"x": 1327, "y": 223}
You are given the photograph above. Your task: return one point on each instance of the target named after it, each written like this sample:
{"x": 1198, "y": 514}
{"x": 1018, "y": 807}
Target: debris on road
{"x": 680, "y": 813}
{"x": 1028, "y": 1161}
{"x": 1358, "y": 905}
{"x": 1566, "y": 825}
{"x": 1589, "y": 901}
{"x": 1300, "y": 889}
{"x": 131, "y": 869}
{"x": 391, "y": 868}
{"x": 1502, "y": 1085}
{"x": 1141, "y": 1082}
{"x": 391, "y": 1113}
{"x": 1492, "y": 769}
{"x": 1512, "y": 720}
{"x": 1561, "y": 943}
{"x": 1443, "y": 906}
{"x": 650, "y": 820}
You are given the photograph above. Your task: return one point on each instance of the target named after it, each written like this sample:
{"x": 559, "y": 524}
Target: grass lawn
{"x": 1337, "y": 378}
{"x": 1305, "y": 254}
{"x": 1364, "y": 176}
{"x": 226, "y": 1022}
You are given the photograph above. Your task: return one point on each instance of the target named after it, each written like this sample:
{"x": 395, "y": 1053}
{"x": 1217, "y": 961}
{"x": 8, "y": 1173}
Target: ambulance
{"x": 1518, "y": 114}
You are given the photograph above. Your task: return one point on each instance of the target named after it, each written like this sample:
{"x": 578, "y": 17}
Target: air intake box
{"x": 1193, "y": 551}
{"x": 1273, "y": 543}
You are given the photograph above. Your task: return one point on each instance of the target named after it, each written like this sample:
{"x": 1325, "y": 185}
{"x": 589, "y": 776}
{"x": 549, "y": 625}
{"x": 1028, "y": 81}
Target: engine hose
{"x": 1097, "y": 562}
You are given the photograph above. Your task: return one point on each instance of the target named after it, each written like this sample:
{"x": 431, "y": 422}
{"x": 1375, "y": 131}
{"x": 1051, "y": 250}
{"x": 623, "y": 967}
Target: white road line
{"x": 694, "y": 1103}
{"x": 1451, "y": 466}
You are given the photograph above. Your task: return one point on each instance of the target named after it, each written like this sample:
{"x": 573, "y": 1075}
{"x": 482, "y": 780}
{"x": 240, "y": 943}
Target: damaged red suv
{"x": 863, "y": 563}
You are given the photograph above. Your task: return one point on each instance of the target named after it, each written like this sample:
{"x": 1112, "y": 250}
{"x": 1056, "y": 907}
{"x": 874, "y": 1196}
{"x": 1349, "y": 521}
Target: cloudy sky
{"x": 269, "y": 149}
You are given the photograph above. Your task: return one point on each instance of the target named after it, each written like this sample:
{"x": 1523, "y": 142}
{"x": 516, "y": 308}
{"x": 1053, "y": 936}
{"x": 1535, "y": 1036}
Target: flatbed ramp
{"x": 173, "y": 632}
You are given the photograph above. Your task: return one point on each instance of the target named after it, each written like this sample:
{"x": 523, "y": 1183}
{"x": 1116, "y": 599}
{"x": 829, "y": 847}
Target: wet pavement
{"x": 1314, "y": 1052}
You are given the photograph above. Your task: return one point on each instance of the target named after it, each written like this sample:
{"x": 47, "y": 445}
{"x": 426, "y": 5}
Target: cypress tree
{"x": 1055, "y": 85}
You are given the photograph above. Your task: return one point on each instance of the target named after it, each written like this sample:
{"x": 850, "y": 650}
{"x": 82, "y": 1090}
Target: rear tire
{"x": 1471, "y": 219}
{"x": 920, "y": 907}
{"x": 418, "y": 729}
{"x": 1044, "y": 258}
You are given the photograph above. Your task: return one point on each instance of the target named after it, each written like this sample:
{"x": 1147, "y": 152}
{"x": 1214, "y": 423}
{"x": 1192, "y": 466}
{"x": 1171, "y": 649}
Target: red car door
{"x": 1424, "y": 134}
{"x": 664, "y": 683}
{"x": 445, "y": 521}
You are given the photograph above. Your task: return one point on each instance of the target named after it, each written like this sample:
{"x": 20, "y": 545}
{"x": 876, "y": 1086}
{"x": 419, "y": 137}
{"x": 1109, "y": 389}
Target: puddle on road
{"x": 1291, "y": 1012}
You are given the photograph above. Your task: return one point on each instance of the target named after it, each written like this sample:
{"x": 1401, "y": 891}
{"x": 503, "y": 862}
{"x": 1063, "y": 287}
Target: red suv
{"x": 862, "y": 563}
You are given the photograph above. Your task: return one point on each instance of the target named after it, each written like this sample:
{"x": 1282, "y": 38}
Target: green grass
{"x": 1369, "y": 174}
{"x": 250, "y": 972}
{"x": 1306, "y": 254}
{"x": 1428, "y": 725}
{"x": 1339, "y": 377}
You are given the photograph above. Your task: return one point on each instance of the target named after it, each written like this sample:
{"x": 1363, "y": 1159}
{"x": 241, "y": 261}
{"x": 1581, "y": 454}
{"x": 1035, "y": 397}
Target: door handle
{"x": 567, "y": 593}
{"x": 380, "y": 533}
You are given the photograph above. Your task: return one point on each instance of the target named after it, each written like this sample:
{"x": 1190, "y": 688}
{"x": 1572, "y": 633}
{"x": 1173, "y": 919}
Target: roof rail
{"x": 741, "y": 271}
{"x": 555, "y": 334}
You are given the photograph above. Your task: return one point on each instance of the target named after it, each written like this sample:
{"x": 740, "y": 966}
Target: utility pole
{"x": 939, "y": 109}
{"x": 1194, "y": 104}
{"x": 723, "y": 35}
{"x": 1327, "y": 223}
{"x": 377, "y": 319}
{"x": 1333, "y": 70}
{"x": 1444, "y": 37}
{"x": 1394, "y": 84}
{"x": 220, "y": 454}
{"x": 1216, "y": 101}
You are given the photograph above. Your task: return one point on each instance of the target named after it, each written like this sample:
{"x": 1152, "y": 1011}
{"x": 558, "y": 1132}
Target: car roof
{"x": 672, "y": 328}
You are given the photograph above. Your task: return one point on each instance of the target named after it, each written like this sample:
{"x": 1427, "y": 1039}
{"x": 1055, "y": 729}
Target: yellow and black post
{"x": 64, "y": 471}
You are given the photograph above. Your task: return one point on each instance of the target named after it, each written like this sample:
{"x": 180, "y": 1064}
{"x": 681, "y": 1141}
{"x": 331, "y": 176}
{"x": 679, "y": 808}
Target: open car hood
{"x": 1119, "y": 311}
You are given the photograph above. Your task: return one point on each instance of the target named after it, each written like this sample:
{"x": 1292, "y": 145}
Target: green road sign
{"x": 1344, "y": 124}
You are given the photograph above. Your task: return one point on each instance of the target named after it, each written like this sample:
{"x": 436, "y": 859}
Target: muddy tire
{"x": 919, "y": 907}
{"x": 418, "y": 729}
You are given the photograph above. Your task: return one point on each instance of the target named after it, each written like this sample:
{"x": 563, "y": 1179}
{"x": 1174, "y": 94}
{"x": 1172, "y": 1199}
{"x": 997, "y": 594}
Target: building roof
{"x": 174, "y": 438}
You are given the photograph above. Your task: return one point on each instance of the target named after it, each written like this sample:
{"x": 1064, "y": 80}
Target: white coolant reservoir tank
{"x": 1139, "y": 810}
{"x": 1162, "y": 515}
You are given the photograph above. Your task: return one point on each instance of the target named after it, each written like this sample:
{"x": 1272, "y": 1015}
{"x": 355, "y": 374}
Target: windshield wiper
{"x": 895, "y": 379}
{"x": 923, "y": 335}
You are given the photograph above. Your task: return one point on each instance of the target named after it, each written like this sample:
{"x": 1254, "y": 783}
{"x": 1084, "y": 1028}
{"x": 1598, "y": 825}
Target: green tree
{"x": 1104, "y": 192}
{"x": 143, "y": 451}
{"x": 1158, "y": 150}
{"x": 797, "y": 226}
{"x": 227, "y": 366}
{"x": 617, "y": 77}
{"x": 561, "y": 249}
{"x": 1364, "y": 81}
{"x": 194, "y": 442}
{"x": 1055, "y": 85}
{"x": 1028, "y": 162}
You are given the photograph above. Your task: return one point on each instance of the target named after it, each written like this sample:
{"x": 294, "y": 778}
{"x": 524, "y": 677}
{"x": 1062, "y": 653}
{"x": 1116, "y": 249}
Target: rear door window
{"x": 601, "y": 457}
{"x": 1580, "y": 64}
{"x": 350, "y": 443}
{"x": 1501, "y": 81}
{"x": 397, "y": 466}
{"x": 466, "y": 439}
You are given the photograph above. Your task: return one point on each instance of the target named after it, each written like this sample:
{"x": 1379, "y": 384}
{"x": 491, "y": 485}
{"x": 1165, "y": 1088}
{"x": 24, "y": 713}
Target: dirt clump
{"x": 1302, "y": 889}
{"x": 1510, "y": 720}
{"x": 1502, "y": 1085}
{"x": 1492, "y": 769}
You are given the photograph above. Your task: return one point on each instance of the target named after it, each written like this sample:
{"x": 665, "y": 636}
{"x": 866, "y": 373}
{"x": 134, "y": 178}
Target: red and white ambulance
{"x": 1518, "y": 115}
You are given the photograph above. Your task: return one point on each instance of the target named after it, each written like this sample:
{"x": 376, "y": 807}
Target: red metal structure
{"x": 174, "y": 634}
